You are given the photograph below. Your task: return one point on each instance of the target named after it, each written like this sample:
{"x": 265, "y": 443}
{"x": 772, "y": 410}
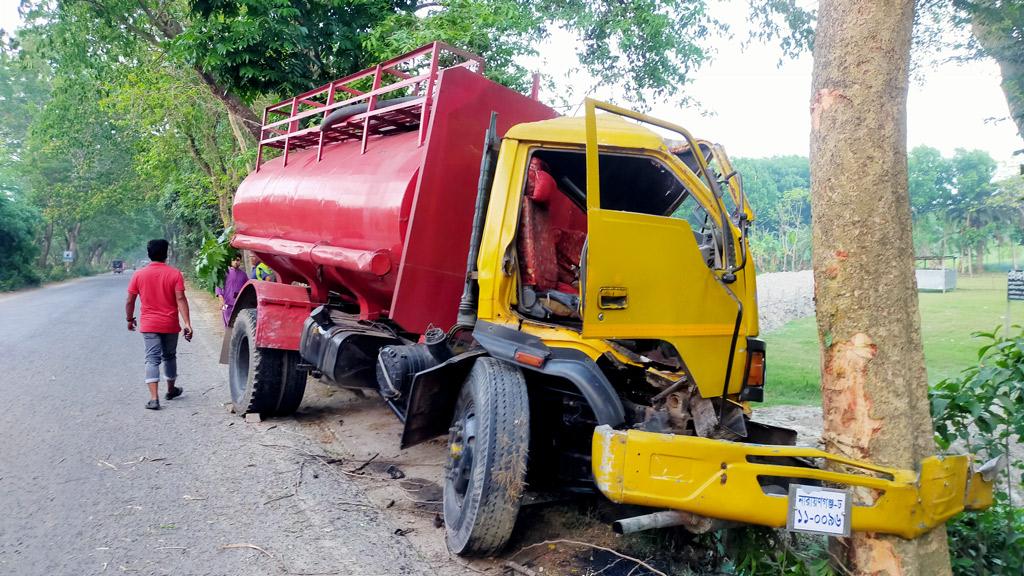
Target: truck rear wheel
{"x": 486, "y": 466}
{"x": 262, "y": 380}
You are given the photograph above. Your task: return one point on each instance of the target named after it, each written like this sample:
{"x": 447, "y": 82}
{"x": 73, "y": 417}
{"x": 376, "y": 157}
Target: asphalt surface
{"x": 92, "y": 483}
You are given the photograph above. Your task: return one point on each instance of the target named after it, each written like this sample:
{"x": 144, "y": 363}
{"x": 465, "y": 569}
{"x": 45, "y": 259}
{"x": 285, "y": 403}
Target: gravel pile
{"x": 784, "y": 296}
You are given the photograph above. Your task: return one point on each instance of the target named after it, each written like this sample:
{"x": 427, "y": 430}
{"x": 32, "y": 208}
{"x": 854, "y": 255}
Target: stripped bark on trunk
{"x": 874, "y": 387}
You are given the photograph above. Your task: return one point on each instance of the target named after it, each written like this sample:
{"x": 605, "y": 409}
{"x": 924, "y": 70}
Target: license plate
{"x": 818, "y": 510}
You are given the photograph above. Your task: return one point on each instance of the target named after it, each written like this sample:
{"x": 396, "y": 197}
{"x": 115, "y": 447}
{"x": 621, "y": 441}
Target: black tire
{"x": 486, "y": 466}
{"x": 293, "y": 384}
{"x": 262, "y": 380}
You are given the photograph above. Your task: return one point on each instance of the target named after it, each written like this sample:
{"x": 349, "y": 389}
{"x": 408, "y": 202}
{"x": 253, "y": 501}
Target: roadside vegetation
{"x": 947, "y": 324}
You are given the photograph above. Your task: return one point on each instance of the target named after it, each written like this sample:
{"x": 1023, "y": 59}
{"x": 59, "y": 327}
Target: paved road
{"x": 91, "y": 483}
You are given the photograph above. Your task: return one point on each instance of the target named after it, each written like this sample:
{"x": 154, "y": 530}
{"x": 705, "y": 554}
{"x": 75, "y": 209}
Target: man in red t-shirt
{"x": 162, "y": 289}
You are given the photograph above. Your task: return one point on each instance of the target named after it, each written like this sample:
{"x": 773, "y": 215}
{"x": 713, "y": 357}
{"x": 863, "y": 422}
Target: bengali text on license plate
{"x": 818, "y": 510}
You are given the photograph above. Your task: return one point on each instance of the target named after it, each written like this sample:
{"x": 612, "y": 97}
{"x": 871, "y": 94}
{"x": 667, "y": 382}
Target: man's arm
{"x": 179, "y": 295}
{"x": 129, "y": 311}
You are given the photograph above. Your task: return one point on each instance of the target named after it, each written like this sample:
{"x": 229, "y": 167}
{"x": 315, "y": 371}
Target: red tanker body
{"x": 374, "y": 209}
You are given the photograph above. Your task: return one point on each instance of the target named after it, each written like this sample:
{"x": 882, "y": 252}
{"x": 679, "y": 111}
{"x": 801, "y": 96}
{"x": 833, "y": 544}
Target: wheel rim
{"x": 240, "y": 370}
{"x": 461, "y": 445}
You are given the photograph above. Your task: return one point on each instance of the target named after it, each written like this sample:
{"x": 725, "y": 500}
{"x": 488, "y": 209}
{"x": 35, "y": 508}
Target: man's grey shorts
{"x": 161, "y": 348}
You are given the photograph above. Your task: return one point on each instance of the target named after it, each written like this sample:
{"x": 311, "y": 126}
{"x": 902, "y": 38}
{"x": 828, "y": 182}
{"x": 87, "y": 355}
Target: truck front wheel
{"x": 486, "y": 466}
{"x": 262, "y": 380}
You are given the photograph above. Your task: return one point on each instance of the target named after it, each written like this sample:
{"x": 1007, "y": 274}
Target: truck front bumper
{"x": 717, "y": 479}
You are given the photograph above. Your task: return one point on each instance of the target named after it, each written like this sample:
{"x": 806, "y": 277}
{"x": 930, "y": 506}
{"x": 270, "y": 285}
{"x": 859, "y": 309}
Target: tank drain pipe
{"x": 693, "y": 523}
{"x": 467, "y": 303}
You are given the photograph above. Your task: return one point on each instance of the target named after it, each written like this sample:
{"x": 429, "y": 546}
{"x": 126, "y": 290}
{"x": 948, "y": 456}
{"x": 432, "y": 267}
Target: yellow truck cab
{"x": 615, "y": 267}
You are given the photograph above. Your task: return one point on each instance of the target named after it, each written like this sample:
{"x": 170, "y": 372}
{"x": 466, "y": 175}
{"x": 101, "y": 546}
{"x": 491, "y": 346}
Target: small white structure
{"x": 934, "y": 276}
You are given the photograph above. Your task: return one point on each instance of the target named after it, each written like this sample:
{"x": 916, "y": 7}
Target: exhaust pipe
{"x": 666, "y": 519}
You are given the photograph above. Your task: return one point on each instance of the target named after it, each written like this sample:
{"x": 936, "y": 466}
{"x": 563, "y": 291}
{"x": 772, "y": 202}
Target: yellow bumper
{"x": 715, "y": 478}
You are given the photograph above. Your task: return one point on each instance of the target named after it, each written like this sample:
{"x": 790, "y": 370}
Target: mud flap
{"x": 432, "y": 398}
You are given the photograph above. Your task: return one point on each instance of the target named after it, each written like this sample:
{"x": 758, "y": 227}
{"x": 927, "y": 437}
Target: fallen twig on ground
{"x": 637, "y": 561}
{"x": 282, "y": 497}
{"x": 519, "y": 568}
{"x": 279, "y": 562}
{"x": 365, "y": 464}
{"x": 351, "y": 503}
{"x": 245, "y": 545}
{"x": 108, "y": 464}
{"x": 602, "y": 570}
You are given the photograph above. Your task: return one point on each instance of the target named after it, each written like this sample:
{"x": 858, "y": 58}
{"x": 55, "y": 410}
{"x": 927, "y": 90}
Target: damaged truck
{"x": 571, "y": 301}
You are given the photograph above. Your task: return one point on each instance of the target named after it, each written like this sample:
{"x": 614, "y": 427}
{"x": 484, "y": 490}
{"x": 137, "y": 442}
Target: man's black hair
{"x": 157, "y": 250}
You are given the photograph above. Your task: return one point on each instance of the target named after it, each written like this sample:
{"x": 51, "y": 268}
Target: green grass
{"x": 947, "y": 322}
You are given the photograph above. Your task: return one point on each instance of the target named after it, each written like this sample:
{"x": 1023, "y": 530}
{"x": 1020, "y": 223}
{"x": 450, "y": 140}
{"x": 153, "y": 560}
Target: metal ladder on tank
{"x": 292, "y": 124}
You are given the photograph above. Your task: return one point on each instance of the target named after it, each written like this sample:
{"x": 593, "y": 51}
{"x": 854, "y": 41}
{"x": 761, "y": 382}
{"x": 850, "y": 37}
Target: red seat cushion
{"x": 568, "y": 249}
{"x": 538, "y": 258}
{"x": 549, "y": 253}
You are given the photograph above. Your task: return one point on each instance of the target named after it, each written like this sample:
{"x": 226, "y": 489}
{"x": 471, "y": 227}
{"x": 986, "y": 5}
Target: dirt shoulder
{"x": 355, "y": 437}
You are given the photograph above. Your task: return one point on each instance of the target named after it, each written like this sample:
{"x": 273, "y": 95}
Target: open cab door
{"x": 659, "y": 243}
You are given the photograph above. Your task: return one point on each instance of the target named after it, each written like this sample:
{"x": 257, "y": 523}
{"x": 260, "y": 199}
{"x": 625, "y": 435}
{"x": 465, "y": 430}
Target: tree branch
{"x": 233, "y": 104}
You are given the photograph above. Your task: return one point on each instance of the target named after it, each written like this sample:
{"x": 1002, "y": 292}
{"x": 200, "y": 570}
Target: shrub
{"x": 213, "y": 259}
{"x": 984, "y": 408}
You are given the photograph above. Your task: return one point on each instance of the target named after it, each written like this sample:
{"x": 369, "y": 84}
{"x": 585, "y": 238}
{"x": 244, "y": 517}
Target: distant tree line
{"x": 958, "y": 209}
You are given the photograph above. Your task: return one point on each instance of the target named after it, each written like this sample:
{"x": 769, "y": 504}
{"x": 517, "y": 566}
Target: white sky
{"x": 758, "y": 109}
{"x": 755, "y": 108}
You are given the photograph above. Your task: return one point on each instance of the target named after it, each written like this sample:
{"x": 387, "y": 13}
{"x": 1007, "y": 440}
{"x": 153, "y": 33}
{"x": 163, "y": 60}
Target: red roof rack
{"x": 292, "y": 124}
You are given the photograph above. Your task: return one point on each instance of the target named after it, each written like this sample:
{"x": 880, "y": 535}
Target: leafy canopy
{"x": 647, "y": 48}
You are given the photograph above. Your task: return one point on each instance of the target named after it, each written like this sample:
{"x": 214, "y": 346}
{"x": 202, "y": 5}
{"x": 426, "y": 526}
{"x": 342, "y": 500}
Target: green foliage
{"x": 257, "y": 47}
{"x": 784, "y": 21}
{"x": 757, "y": 551}
{"x": 18, "y": 222}
{"x": 931, "y": 180}
{"x": 646, "y": 48}
{"x": 984, "y": 408}
{"x": 984, "y": 405}
{"x": 213, "y": 259}
{"x": 778, "y": 191}
{"x": 990, "y": 542}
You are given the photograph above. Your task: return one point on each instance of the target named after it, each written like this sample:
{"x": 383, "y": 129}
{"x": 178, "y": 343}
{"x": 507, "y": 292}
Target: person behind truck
{"x": 162, "y": 290}
{"x": 233, "y": 283}
{"x": 259, "y": 270}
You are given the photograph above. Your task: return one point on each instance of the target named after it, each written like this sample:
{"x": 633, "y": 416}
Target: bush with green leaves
{"x": 983, "y": 408}
{"x": 759, "y": 551}
{"x": 18, "y": 222}
{"x": 213, "y": 259}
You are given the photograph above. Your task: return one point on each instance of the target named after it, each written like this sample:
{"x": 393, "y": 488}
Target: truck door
{"x": 652, "y": 249}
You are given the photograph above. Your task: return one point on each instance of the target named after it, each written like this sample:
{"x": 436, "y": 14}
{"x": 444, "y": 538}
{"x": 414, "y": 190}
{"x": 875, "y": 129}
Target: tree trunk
{"x": 874, "y": 386}
{"x": 44, "y": 255}
{"x": 999, "y": 43}
{"x": 96, "y": 253}
{"x": 71, "y": 237}
{"x": 238, "y": 129}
